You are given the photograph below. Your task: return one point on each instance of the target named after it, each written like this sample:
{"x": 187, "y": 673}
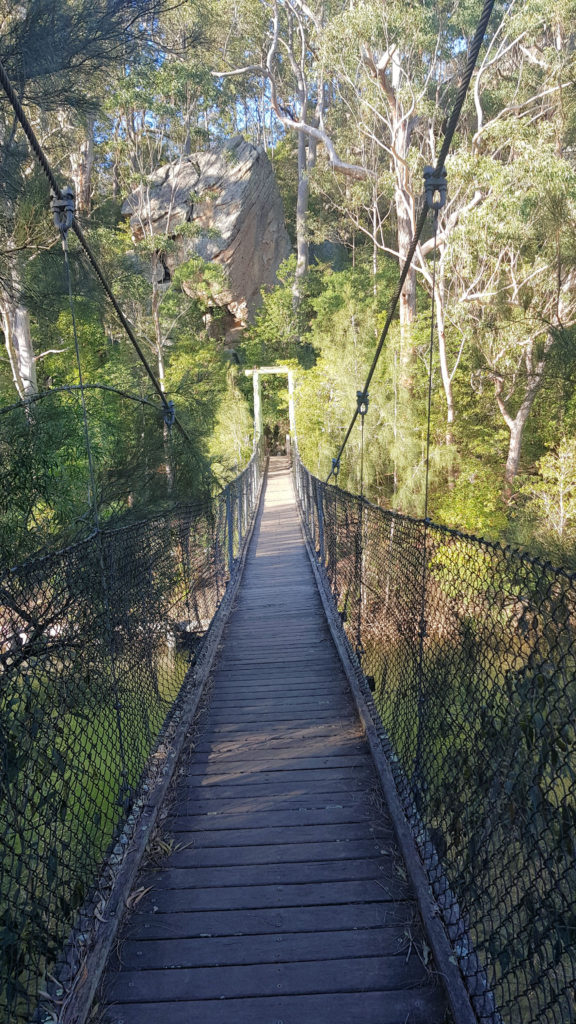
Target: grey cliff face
{"x": 230, "y": 196}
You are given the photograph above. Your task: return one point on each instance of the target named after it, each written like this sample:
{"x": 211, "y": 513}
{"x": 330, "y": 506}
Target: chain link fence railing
{"x": 95, "y": 644}
{"x": 470, "y": 651}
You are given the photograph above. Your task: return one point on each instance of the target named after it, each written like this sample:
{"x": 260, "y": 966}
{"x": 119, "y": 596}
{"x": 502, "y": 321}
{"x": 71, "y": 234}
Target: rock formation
{"x": 229, "y": 194}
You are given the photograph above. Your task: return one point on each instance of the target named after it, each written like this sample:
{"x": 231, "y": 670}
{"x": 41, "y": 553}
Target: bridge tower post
{"x": 255, "y": 373}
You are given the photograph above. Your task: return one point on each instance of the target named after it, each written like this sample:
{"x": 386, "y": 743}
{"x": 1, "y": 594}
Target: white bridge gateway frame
{"x": 255, "y": 374}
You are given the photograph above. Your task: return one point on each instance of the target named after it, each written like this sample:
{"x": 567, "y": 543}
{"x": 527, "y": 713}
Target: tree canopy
{"x": 350, "y": 100}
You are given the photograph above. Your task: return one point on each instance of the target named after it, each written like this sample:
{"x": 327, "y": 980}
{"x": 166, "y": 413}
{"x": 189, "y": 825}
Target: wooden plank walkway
{"x": 284, "y": 900}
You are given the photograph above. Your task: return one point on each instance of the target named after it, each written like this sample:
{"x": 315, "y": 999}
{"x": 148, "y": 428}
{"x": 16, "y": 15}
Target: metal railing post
{"x": 320, "y": 507}
{"x": 230, "y": 528}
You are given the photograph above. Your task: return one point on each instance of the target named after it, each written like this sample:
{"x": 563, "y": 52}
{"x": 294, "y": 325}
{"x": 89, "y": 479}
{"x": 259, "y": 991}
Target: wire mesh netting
{"x": 139, "y": 467}
{"x": 95, "y": 643}
{"x": 470, "y": 649}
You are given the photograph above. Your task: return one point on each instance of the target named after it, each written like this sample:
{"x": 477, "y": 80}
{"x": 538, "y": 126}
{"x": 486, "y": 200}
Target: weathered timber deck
{"x": 284, "y": 900}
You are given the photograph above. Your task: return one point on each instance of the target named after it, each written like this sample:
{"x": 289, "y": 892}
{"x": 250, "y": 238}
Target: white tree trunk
{"x": 517, "y": 423}
{"x": 18, "y": 341}
{"x": 301, "y": 218}
{"x": 444, "y": 371}
{"x": 516, "y": 427}
{"x": 82, "y": 163}
{"x": 404, "y": 202}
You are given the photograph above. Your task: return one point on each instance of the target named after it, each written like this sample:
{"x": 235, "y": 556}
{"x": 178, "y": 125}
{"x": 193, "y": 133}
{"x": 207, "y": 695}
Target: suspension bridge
{"x": 285, "y": 896}
{"x": 257, "y": 768}
{"x": 263, "y": 768}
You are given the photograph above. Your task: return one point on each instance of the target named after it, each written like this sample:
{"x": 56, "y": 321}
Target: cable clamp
{"x": 335, "y": 467}
{"x": 435, "y": 188}
{"x": 63, "y": 210}
{"x": 169, "y": 414}
{"x": 362, "y": 401}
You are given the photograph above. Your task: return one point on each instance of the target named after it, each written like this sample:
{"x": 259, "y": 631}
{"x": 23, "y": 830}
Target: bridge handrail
{"x": 469, "y": 649}
{"x": 97, "y": 642}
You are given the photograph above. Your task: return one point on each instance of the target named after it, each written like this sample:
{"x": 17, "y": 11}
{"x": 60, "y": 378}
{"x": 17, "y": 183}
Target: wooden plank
{"x": 280, "y": 853}
{"x": 269, "y": 702}
{"x": 267, "y": 835}
{"x": 245, "y": 732}
{"x": 182, "y": 819}
{"x": 206, "y": 768}
{"x": 281, "y": 703}
{"x": 241, "y": 800}
{"x": 204, "y": 765}
{"x": 316, "y": 685}
{"x": 272, "y": 790}
{"x": 301, "y": 642}
{"x": 398, "y": 916}
{"x": 275, "y": 689}
{"x": 310, "y": 894}
{"x": 295, "y": 632}
{"x": 386, "y": 1007}
{"x": 231, "y": 719}
{"x": 362, "y": 975}
{"x": 359, "y": 774}
{"x": 238, "y": 687}
{"x": 261, "y": 804}
{"x": 257, "y": 745}
{"x": 239, "y": 796}
{"x": 285, "y": 947}
{"x": 295, "y": 666}
{"x": 263, "y": 747}
{"x": 268, "y": 620}
{"x": 296, "y": 648}
{"x": 293, "y": 873}
{"x": 297, "y": 671}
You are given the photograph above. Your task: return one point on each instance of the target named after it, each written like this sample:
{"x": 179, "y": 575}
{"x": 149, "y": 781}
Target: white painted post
{"x": 291, "y": 415}
{"x": 257, "y": 407}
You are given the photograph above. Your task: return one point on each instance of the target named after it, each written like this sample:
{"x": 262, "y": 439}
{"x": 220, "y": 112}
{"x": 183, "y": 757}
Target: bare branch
{"x": 428, "y": 247}
{"x": 307, "y": 12}
{"x": 250, "y": 69}
{"x": 49, "y": 352}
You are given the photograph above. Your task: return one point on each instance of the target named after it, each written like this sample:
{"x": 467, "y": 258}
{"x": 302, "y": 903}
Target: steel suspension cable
{"x": 57, "y": 191}
{"x": 438, "y": 172}
{"x": 41, "y": 395}
{"x": 92, "y": 475}
{"x": 430, "y": 360}
{"x": 422, "y": 622}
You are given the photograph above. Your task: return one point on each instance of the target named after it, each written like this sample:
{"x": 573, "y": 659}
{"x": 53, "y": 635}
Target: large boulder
{"x": 229, "y": 194}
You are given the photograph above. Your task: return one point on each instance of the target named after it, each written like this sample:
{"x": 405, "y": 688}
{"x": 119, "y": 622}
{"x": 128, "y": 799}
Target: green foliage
{"x": 474, "y": 501}
{"x": 506, "y": 270}
{"x": 549, "y": 516}
{"x": 231, "y": 442}
{"x": 279, "y": 325}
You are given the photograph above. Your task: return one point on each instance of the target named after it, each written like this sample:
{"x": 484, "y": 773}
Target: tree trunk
{"x": 407, "y": 299}
{"x": 301, "y": 218}
{"x": 159, "y": 345}
{"x": 158, "y": 337}
{"x": 82, "y": 163}
{"x": 446, "y": 379}
{"x": 515, "y": 443}
{"x": 516, "y": 427}
{"x": 404, "y": 216}
{"x": 375, "y": 249}
{"x": 18, "y": 340}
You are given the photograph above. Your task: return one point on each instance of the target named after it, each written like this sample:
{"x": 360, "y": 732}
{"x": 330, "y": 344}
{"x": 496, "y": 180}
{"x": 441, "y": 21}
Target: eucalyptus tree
{"x": 514, "y": 268}
{"x": 282, "y": 48}
{"x": 56, "y": 54}
{"x": 506, "y": 275}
